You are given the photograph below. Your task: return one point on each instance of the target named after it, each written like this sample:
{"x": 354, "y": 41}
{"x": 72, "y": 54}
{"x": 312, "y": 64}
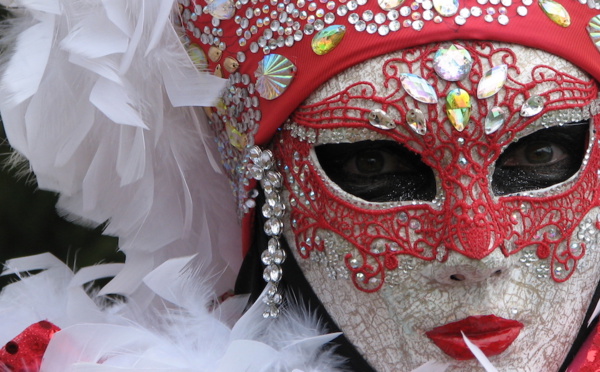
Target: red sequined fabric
{"x": 25, "y": 352}
{"x": 466, "y": 216}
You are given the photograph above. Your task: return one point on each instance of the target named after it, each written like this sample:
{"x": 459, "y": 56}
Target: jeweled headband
{"x": 276, "y": 52}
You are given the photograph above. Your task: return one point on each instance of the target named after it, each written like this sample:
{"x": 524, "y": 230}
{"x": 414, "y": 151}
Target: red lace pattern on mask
{"x": 468, "y": 219}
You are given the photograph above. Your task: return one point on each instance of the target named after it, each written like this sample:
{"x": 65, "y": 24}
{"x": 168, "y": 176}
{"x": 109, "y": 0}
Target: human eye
{"x": 377, "y": 171}
{"x": 541, "y": 159}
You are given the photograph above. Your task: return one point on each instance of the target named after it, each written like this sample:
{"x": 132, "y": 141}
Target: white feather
{"x": 481, "y": 358}
{"x": 189, "y": 337}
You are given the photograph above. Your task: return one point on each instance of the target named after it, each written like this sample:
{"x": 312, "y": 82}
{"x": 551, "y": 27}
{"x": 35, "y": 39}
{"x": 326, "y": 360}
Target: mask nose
{"x": 461, "y": 270}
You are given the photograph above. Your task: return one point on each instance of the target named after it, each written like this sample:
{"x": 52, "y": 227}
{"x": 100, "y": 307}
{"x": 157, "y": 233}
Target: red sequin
{"x": 24, "y": 353}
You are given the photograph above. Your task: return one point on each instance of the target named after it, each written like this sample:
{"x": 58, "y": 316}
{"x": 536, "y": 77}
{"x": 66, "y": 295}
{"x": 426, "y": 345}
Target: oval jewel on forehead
{"x": 381, "y": 120}
{"x": 593, "y": 29}
{"x": 452, "y": 64}
{"x": 556, "y": 12}
{"x": 418, "y": 88}
{"x": 458, "y": 108}
{"x": 446, "y": 8}
{"x": 494, "y": 120}
{"x": 416, "y": 121}
{"x": 492, "y": 81}
{"x": 532, "y": 106}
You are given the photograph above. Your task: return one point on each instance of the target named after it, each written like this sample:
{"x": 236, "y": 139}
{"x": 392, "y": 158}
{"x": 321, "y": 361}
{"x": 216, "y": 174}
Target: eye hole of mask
{"x": 541, "y": 159}
{"x": 377, "y": 171}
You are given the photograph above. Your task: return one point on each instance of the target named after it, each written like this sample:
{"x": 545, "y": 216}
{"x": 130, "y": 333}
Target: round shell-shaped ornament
{"x": 593, "y": 29}
{"x": 221, "y": 9}
{"x": 273, "y": 76}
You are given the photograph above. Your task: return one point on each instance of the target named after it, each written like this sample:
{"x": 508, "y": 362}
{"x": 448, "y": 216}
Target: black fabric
{"x": 584, "y": 331}
{"x": 250, "y": 281}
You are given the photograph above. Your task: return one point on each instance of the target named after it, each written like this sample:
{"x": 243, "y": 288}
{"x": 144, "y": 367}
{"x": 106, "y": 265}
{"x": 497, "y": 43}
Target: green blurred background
{"x": 29, "y": 224}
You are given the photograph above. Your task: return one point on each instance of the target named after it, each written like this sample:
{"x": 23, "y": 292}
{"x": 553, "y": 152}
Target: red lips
{"x": 490, "y": 333}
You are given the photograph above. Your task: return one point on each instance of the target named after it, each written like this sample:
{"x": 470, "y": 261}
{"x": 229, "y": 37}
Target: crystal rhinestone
{"x": 492, "y": 81}
{"x": 416, "y": 121}
{"x": 273, "y": 227}
{"x": 446, "y": 8}
{"x": 556, "y": 12}
{"x": 390, "y": 4}
{"x": 221, "y": 9}
{"x": 266, "y": 257}
{"x": 532, "y": 106}
{"x": 495, "y": 119}
{"x": 394, "y": 25}
{"x": 418, "y": 88}
{"x": 380, "y": 119}
{"x": 418, "y": 25}
{"x": 452, "y": 64}
{"x": 503, "y": 19}
{"x": 476, "y": 11}
{"x": 326, "y": 40}
{"x": 380, "y": 18}
{"x": 522, "y": 11}
{"x": 273, "y": 75}
{"x": 279, "y": 257}
{"x": 371, "y": 28}
{"x": 383, "y": 30}
{"x": 272, "y": 273}
{"x": 460, "y": 20}
{"x": 593, "y": 29}
{"x": 458, "y": 108}
{"x": 360, "y": 26}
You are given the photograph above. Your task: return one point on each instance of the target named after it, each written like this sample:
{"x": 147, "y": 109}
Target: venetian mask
{"x": 449, "y": 188}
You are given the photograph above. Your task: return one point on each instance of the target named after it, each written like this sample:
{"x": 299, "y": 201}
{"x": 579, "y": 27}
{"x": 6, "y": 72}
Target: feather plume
{"x": 102, "y": 99}
{"x": 182, "y": 334}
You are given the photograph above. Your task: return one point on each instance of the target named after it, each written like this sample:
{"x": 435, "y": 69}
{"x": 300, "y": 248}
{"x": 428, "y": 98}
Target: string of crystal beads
{"x": 261, "y": 168}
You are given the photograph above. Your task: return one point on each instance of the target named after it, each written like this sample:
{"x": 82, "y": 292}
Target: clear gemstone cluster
{"x": 261, "y": 168}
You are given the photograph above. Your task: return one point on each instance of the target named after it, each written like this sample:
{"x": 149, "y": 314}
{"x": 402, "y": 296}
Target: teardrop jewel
{"x": 532, "y": 106}
{"x": 327, "y": 39}
{"x": 556, "y": 12}
{"x": 458, "y": 108}
{"x": 494, "y": 120}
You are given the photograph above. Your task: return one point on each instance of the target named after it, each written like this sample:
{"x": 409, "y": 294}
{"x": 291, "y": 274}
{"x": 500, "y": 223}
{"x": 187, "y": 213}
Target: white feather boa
{"x": 102, "y": 99}
{"x": 181, "y": 334}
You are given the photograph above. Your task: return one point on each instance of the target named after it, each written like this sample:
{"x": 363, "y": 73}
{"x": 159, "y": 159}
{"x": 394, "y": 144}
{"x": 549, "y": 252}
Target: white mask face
{"x": 402, "y": 231}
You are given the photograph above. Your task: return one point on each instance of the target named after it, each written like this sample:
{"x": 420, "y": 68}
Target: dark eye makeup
{"x": 542, "y": 159}
{"x": 377, "y": 171}
{"x": 385, "y": 171}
